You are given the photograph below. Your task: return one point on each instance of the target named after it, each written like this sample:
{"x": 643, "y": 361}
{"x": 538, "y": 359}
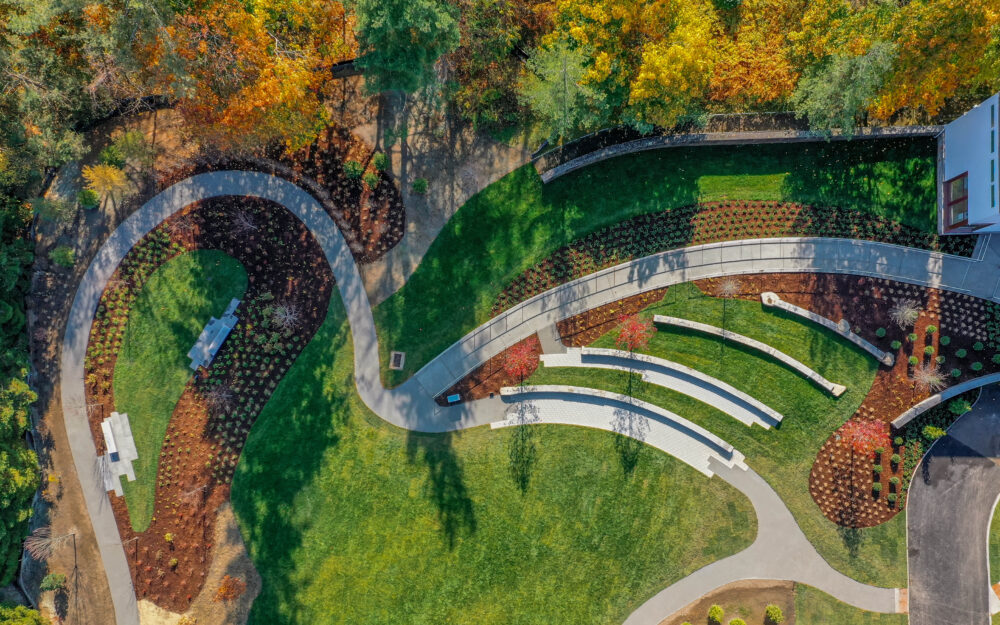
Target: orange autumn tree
{"x": 521, "y": 360}
{"x": 247, "y": 74}
{"x": 754, "y": 66}
{"x": 941, "y": 46}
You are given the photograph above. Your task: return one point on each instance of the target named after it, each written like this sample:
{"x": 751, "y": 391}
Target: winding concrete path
{"x": 411, "y": 405}
{"x": 951, "y": 501}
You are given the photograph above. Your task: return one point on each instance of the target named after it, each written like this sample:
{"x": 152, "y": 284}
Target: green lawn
{"x": 815, "y": 607}
{"x": 350, "y": 520}
{"x": 152, "y": 367}
{"x": 995, "y": 548}
{"x": 516, "y": 222}
{"x": 783, "y": 455}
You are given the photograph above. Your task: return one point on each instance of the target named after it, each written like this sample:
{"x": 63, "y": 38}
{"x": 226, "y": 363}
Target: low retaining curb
{"x": 945, "y": 395}
{"x": 834, "y": 389}
{"x": 843, "y": 328}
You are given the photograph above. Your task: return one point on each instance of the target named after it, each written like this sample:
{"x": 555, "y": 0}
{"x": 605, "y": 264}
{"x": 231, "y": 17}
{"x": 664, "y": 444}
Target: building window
{"x": 956, "y": 201}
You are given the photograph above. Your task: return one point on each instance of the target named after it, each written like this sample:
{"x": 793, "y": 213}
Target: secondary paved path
{"x": 950, "y": 505}
{"x": 411, "y": 405}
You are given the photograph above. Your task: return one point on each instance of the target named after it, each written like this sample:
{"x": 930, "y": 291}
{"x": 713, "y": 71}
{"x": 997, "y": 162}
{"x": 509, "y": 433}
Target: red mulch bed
{"x": 373, "y": 221}
{"x": 285, "y": 267}
{"x": 587, "y": 327}
{"x": 842, "y": 488}
{"x": 488, "y": 378}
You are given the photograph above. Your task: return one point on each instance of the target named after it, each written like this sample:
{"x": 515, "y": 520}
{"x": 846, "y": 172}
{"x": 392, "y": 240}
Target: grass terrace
{"x": 516, "y": 222}
{"x": 783, "y": 455}
{"x": 815, "y": 607}
{"x": 344, "y": 514}
{"x": 152, "y": 368}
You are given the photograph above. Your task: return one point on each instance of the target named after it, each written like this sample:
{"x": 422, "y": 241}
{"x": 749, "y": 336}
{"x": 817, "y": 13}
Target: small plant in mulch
{"x": 420, "y": 186}
{"x": 773, "y": 615}
{"x": 229, "y": 589}
{"x": 353, "y": 170}
{"x": 53, "y": 581}
{"x": 716, "y": 614}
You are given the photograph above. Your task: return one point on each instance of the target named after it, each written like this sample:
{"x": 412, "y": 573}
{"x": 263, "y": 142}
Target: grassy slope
{"x": 995, "y": 548}
{"x": 815, "y": 607}
{"x": 350, "y": 520}
{"x": 516, "y": 222}
{"x": 782, "y": 455}
{"x": 152, "y": 368}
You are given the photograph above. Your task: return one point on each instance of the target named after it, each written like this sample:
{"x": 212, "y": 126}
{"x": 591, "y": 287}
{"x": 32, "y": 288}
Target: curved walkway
{"x": 951, "y": 502}
{"x": 625, "y": 415}
{"x": 673, "y": 376}
{"x": 411, "y": 405}
{"x": 780, "y": 551}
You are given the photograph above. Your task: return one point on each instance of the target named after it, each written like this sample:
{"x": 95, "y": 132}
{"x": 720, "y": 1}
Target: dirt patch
{"x": 229, "y": 557}
{"x": 587, "y": 327}
{"x": 287, "y": 272}
{"x": 746, "y": 600}
{"x": 488, "y": 378}
{"x": 842, "y": 484}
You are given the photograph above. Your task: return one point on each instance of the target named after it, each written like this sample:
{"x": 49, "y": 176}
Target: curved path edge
{"x": 411, "y": 405}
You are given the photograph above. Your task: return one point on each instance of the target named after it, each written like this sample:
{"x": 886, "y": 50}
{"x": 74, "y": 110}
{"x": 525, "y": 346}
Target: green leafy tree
{"x": 400, "y": 40}
{"x": 19, "y": 467}
{"x": 20, "y": 615}
{"x": 835, "y": 92}
{"x": 554, "y": 90}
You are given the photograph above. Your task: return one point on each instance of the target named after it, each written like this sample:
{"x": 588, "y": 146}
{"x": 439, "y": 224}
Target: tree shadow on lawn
{"x": 302, "y": 422}
{"x": 445, "y": 484}
{"x": 891, "y": 178}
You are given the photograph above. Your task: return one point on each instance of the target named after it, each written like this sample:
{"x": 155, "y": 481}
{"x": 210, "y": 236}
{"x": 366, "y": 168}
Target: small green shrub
{"x": 895, "y": 344}
{"x": 877, "y": 487}
{"x": 895, "y": 458}
{"x": 897, "y": 441}
{"x": 976, "y": 366}
{"x": 53, "y": 209}
{"x": 88, "y": 198}
{"x": 961, "y": 353}
{"x": 913, "y": 360}
{"x": 977, "y": 346}
{"x": 353, "y": 169}
{"x": 64, "y": 256}
{"x": 912, "y": 336}
{"x": 891, "y": 498}
{"x": 931, "y": 329}
{"x": 773, "y": 615}
{"x": 371, "y": 180}
{"x": 945, "y": 340}
{"x": 956, "y": 373}
{"x": 715, "y": 614}
{"x": 877, "y": 469}
{"x": 737, "y": 621}
{"x": 940, "y": 360}
{"x": 420, "y": 186}
{"x": 959, "y": 406}
{"x": 113, "y": 156}
{"x": 894, "y": 480}
{"x": 932, "y": 433}
{"x": 880, "y": 332}
{"x": 929, "y": 350}
{"x": 880, "y": 450}
{"x": 380, "y": 161}
{"x": 53, "y": 581}
{"x": 996, "y": 359}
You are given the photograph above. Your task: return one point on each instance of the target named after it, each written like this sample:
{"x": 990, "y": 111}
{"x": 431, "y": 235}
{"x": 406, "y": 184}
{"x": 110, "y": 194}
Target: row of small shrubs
{"x": 380, "y": 161}
{"x": 772, "y": 616}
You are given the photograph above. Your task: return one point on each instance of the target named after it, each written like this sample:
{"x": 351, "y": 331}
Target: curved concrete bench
{"x": 843, "y": 328}
{"x": 943, "y": 396}
{"x": 585, "y": 407}
{"x": 834, "y": 389}
{"x": 673, "y": 376}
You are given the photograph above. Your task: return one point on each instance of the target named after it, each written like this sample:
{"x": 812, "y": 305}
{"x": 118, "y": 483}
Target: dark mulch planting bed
{"x": 488, "y": 378}
{"x": 372, "y": 220}
{"x": 285, "y": 268}
{"x": 709, "y": 223}
{"x": 587, "y": 327}
{"x": 842, "y": 486}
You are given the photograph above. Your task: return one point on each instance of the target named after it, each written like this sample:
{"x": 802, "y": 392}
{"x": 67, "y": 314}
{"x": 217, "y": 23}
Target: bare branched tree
{"x": 287, "y": 316}
{"x": 220, "y": 399}
{"x": 244, "y": 222}
{"x": 904, "y": 313}
{"x": 929, "y": 376}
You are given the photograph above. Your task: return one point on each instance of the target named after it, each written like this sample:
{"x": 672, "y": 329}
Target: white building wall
{"x": 970, "y": 146}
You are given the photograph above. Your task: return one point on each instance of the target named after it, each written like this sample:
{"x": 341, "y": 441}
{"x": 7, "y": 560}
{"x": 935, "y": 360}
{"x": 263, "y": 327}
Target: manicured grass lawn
{"x": 815, "y": 607}
{"x": 152, "y": 367}
{"x": 995, "y": 548}
{"x": 516, "y": 222}
{"x": 350, "y": 520}
{"x": 783, "y": 455}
